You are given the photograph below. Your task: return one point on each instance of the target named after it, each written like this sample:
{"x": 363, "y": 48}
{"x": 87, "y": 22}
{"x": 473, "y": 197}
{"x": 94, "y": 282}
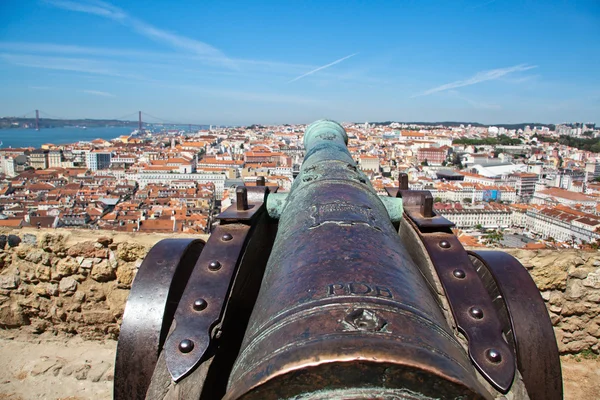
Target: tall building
{"x": 55, "y": 158}
{"x": 7, "y": 166}
{"x": 524, "y": 184}
{"x": 38, "y": 159}
{"x": 96, "y": 160}
{"x": 433, "y": 155}
{"x": 592, "y": 171}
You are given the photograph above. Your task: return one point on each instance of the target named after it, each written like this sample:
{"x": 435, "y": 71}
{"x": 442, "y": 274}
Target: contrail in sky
{"x": 322, "y": 67}
{"x": 477, "y": 78}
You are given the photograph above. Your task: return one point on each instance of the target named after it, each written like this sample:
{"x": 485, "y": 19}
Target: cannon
{"x": 331, "y": 291}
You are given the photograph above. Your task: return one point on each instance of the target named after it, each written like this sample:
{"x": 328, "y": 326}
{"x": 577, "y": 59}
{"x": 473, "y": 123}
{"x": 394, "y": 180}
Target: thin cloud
{"x": 55, "y": 48}
{"x": 479, "y": 77}
{"x": 116, "y": 14}
{"x": 64, "y": 64}
{"x": 322, "y": 67}
{"x": 40, "y": 87}
{"x": 98, "y": 93}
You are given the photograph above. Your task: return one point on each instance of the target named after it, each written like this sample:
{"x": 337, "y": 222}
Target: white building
{"x": 553, "y": 196}
{"x": 486, "y": 215}
{"x": 144, "y": 179}
{"x": 7, "y": 166}
{"x": 562, "y": 225}
{"x": 97, "y": 160}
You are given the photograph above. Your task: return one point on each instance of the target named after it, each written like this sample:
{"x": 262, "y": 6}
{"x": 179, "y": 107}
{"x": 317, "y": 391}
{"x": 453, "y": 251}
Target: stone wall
{"x": 77, "y": 282}
{"x": 68, "y": 281}
{"x": 569, "y": 281}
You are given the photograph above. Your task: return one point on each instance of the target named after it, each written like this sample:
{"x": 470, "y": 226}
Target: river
{"x": 32, "y": 138}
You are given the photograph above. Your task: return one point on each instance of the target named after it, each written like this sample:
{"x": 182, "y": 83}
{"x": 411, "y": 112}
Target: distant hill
{"x": 474, "y": 124}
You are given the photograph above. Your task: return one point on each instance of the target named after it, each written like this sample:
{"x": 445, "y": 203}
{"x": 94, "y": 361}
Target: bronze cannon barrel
{"x": 343, "y": 311}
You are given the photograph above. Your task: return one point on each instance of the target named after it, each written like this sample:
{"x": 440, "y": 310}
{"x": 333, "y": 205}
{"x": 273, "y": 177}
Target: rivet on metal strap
{"x": 200, "y": 304}
{"x": 493, "y": 355}
{"x": 459, "y": 273}
{"x": 186, "y": 345}
{"x": 214, "y": 265}
{"x": 226, "y": 237}
{"x": 476, "y": 312}
{"x": 444, "y": 244}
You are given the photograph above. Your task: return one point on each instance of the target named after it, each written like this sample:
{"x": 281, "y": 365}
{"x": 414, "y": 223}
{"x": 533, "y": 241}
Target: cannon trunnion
{"x": 330, "y": 291}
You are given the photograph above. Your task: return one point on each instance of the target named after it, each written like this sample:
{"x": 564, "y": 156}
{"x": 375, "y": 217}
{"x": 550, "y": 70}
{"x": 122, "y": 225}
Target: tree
{"x": 444, "y": 163}
{"x": 468, "y": 200}
{"x": 494, "y": 237}
{"x": 425, "y": 163}
{"x": 478, "y": 227}
{"x": 437, "y": 200}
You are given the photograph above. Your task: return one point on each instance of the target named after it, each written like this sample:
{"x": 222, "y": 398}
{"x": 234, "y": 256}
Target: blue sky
{"x": 242, "y": 62}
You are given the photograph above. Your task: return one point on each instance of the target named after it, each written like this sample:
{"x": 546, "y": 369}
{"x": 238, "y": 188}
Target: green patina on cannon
{"x": 333, "y": 292}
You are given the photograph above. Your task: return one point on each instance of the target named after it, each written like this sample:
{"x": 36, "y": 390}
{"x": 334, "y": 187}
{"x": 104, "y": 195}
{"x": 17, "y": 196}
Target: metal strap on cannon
{"x": 494, "y": 302}
{"x": 203, "y": 304}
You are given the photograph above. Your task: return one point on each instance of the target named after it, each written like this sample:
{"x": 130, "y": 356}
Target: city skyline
{"x": 488, "y": 61}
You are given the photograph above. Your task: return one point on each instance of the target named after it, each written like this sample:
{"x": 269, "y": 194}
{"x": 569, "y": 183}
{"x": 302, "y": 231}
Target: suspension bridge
{"x": 142, "y": 119}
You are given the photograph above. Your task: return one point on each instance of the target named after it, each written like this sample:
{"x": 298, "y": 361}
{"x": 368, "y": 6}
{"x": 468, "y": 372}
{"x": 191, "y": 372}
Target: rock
{"x": 545, "y": 295}
{"x": 23, "y": 251}
{"x": 46, "y": 289}
{"x": 575, "y": 290}
{"x": 9, "y": 282}
{"x": 37, "y": 256}
{"x": 103, "y": 272}
{"x": 550, "y": 271}
{"x": 126, "y": 274}
{"x": 55, "y": 243}
{"x": 43, "y": 273}
{"x": 87, "y": 263}
{"x": 555, "y": 309}
{"x": 66, "y": 267}
{"x": 79, "y": 297}
{"x": 112, "y": 259}
{"x": 67, "y": 285}
{"x": 556, "y": 298}
{"x": 42, "y": 366}
{"x": 594, "y": 297}
{"x": 13, "y": 240}
{"x": 101, "y": 253}
{"x": 592, "y": 280}
{"x": 39, "y": 326}
{"x": 3, "y": 241}
{"x": 82, "y": 372}
{"x": 11, "y": 316}
{"x": 580, "y": 273}
{"x": 98, "y": 245}
{"x": 26, "y": 271}
{"x": 30, "y": 239}
{"x": 130, "y": 251}
{"x": 104, "y": 241}
{"x": 572, "y": 308}
{"x": 85, "y": 249}
{"x": 97, "y": 370}
{"x": 594, "y": 331}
